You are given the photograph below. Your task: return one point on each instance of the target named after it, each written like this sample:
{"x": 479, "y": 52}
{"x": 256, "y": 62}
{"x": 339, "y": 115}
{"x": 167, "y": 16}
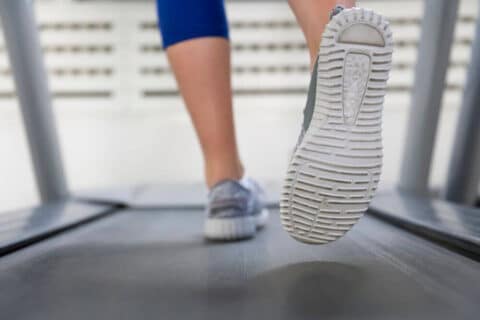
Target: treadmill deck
{"x": 155, "y": 264}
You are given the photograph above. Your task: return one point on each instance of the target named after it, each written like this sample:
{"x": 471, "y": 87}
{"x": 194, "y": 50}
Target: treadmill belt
{"x": 156, "y": 265}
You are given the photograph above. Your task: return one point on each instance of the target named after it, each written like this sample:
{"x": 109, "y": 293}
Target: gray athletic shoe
{"x": 235, "y": 210}
{"x": 335, "y": 169}
{"x": 312, "y": 89}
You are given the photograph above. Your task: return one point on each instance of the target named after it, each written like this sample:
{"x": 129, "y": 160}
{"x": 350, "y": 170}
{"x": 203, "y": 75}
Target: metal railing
{"x": 464, "y": 171}
{"x": 26, "y": 59}
{"x": 438, "y": 28}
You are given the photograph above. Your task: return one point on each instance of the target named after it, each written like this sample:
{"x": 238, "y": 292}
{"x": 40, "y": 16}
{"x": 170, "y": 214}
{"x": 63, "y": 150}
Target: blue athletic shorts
{"x": 181, "y": 20}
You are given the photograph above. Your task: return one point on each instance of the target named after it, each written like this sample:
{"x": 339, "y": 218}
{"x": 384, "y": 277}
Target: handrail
{"x": 23, "y": 44}
{"x": 464, "y": 168}
{"x": 438, "y": 26}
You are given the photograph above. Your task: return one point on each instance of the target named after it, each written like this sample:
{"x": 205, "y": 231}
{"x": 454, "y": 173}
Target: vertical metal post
{"x": 464, "y": 172}
{"x": 23, "y": 44}
{"x": 432, "y": 63}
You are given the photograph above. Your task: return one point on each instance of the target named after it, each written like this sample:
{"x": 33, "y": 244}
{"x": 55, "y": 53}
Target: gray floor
{"x": 166, "y": 196}
{"x": 156, "y": 265}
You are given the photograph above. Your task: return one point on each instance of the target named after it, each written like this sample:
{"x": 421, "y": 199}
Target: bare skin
{"x": 202, "y": 69}
{"x": 312, "y": 16}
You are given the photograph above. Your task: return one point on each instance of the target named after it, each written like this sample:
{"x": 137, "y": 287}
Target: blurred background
{"x": 122, "y": 123}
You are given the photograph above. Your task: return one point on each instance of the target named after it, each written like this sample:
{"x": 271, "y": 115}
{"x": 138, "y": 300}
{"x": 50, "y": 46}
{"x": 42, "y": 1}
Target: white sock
{"x": 245, "y": 181}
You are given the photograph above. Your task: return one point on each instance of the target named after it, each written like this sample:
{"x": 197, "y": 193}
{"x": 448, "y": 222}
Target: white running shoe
{"x": 335, "y": 169}
{"x": 235, "y": 210}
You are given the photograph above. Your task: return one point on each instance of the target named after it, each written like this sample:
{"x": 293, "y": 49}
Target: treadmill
{"x": 413, "y": 256}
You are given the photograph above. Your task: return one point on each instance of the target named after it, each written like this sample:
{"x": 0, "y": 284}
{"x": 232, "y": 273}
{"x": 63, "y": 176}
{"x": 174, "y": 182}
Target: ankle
{"x": 223, "y": 171}
{"x": 346, "y": 3}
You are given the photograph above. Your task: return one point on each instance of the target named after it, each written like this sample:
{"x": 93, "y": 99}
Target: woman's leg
{"x": 202, "y": 69}
{"x": 195, "y": 35}
{"x": 312, "y": 16}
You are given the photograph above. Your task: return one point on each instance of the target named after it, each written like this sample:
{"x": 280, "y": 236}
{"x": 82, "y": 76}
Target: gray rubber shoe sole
{"x": 235, "y": 210}
{"x": 335, "y": 169}
{"x": 235, "y": 228}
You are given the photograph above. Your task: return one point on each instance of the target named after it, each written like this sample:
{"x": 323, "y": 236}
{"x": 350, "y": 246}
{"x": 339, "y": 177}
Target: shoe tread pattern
{"x": 335, "y": 171}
